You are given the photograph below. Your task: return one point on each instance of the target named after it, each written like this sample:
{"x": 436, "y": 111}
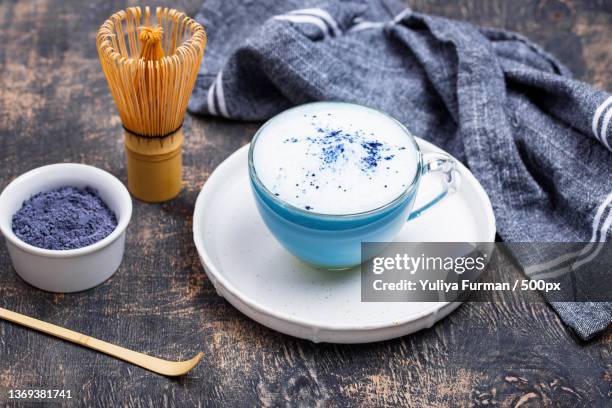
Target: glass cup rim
{"x": 255, "y": 178}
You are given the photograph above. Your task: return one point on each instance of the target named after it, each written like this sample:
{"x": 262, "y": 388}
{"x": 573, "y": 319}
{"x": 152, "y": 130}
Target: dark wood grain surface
{"x": 55, "y": 107}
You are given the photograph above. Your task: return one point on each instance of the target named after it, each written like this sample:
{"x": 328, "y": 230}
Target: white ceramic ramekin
{"x": 71, "y": 270}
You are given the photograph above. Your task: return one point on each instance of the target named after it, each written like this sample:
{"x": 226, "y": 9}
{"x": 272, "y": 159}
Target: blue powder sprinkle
{"x": 373, "y": 156}
{"x": 330, "y": 154}
{"x": 308, "y": 207}
{"x": 333, "y": 147}
{"x": 64, "y": 218}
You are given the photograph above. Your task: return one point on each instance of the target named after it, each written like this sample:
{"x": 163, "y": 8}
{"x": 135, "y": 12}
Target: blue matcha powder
{"x": 64, "y": 218}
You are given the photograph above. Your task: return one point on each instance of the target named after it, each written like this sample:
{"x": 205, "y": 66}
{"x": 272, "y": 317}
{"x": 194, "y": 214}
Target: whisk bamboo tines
{"x": 151, "y": 63}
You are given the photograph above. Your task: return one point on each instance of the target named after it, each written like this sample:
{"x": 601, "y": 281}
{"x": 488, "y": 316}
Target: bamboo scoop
{"x": 163, "y": 367}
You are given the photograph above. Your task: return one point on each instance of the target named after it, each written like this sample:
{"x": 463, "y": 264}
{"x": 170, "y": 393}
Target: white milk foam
{"x": 335, "y": 158}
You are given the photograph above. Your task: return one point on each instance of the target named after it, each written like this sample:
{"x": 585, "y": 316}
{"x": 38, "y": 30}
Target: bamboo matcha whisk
{"x": 151, "y": 68}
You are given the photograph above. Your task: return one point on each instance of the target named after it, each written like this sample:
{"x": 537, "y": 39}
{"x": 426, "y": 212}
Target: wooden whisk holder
{"x": 151, "y": 62}
{"x": 154, "y": 166}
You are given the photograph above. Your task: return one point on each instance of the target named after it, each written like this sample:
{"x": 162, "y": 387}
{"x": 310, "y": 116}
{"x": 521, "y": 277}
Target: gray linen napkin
{"x": 538, "y": 140}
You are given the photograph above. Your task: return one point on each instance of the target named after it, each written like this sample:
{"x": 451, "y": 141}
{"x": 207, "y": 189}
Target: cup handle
{"x": 439, "y": 163}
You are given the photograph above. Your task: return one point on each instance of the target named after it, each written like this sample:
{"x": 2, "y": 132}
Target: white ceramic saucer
{"x": 262, "y": 280}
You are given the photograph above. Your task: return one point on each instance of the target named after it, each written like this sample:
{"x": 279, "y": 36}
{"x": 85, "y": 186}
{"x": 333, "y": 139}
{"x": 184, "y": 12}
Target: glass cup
{"x": 334, "y": 241}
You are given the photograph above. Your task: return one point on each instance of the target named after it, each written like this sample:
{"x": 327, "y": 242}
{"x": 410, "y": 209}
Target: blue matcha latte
{"x": 340, "y": 160}
{"x": 64, "y": 218}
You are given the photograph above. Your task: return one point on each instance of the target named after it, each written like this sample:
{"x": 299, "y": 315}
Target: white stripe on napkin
{"x": 401, "y": 15}
{"x": 602, "y": 239}
{"x": 221, "y": 95}
{"x": 365, "y": 25}
{"x": 604, "y": 127}
{"x": 584, "y": 257}
{"x": 304, "y": 19}
{"x": 210, "y": 100}
{"x": 597, "y": 115}
{"x": 597, "y": 235}
{"x": 323, "y": 15}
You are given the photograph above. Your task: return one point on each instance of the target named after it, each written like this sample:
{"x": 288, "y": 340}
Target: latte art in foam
{"x": 335, "y": 158}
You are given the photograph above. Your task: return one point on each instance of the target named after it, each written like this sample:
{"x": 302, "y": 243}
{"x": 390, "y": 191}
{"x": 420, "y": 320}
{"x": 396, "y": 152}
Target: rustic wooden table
{"x": 55, "y": 107}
